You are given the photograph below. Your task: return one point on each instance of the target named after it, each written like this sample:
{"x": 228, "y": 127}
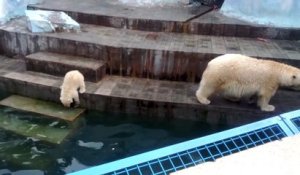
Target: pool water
{"x": 97, "y": 138}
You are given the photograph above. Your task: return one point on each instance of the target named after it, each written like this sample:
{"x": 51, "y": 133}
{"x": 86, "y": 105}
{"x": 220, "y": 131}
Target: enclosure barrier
{"x": 190, "y": 153}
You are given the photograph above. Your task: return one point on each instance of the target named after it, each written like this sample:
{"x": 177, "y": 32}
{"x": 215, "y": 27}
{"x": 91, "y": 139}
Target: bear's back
{"x": 233, "y": 59}
{"x": 240, "y": 68}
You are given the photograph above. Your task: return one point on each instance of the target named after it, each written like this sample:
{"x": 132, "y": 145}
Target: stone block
{"x": 58, "y": 64}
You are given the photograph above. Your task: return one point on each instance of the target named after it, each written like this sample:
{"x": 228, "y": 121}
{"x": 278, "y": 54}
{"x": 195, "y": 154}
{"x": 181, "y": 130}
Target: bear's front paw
{"x": 268, "y": 108}
{"x": 204, "y": 101}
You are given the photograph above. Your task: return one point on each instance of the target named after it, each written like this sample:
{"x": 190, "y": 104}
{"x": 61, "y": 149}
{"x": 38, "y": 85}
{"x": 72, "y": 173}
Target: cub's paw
{"x": 204, "y": 101}
{"x": 81, "y": 90}
{"x": 268, "y": 108}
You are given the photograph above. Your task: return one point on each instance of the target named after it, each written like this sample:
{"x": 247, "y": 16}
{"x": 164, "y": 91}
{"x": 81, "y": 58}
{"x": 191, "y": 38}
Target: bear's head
{"x": 294, "y": 79}
{"x": 289, "y": 76}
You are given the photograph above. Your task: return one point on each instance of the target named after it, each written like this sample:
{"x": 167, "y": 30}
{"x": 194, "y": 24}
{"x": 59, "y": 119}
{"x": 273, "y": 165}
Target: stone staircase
{"x": 155, "y": 55}
{"x": 153, "y": 71}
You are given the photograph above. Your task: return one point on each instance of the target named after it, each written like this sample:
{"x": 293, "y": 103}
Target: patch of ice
{"x": 61, "y": 161}
{"x": 32, "y": 127}
{"x": 74, "y": 166}
{"x": 276, "y": 13}
{"x": 50, "y": 21}
{"x": 14, "y": 8}
{"x": 34, "y": 150}
{"x": 53, "y": 123}
{"x": 92, "y": 145}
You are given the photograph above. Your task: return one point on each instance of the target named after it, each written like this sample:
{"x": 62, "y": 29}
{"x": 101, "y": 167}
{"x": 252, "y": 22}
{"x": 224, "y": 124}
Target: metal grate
{"x": 208, "y": 152}
{"x": 292, "y": 120}
{"x": 296, "y": 122}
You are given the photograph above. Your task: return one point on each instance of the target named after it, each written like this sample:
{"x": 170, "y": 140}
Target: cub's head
{"x": 66, "y": 101}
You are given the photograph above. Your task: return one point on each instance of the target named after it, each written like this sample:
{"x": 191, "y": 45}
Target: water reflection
{"x": 95, "y": 139}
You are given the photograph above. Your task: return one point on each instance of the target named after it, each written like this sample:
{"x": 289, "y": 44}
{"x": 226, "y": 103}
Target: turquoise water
{"x": 99, "y": 138}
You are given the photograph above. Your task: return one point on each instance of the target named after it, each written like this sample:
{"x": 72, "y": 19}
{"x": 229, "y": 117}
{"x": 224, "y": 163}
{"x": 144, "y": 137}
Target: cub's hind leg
{"x": 76, "y": 98}
{"x": 82, "y": 87}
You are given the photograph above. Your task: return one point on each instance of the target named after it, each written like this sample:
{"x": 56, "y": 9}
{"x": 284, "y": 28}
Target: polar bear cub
{"x": 238, "y": 76}
{"x": 69, "y": 89}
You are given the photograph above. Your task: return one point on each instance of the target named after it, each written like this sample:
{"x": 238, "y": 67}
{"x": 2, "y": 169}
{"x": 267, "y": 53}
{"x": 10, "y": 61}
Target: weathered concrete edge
{"x": 146, "y": 108}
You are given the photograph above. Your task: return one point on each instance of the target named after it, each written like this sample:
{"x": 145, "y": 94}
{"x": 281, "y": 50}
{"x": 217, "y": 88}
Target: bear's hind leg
{"x": 251, "y": 99}
{"x": 204, "y": 92}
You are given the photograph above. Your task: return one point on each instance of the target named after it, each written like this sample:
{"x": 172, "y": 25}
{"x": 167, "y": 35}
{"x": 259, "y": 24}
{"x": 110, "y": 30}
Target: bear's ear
{"x": 294, "y": 77}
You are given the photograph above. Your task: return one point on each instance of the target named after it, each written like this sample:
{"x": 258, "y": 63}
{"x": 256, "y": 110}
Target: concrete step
{"x": 58, "y": 122}
{"x": 59, "y": 64}
{"x": 35, "y": 130}
{"x": 146, "y": 97}
{"x": 42, "y": 107}
{"x": 158, "y": 55}
{"x": 177, "y": 18}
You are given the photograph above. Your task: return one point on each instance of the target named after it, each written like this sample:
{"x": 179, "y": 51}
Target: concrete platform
{"x": 160, "y": 55}
{"x": 277, "y": 158}
{"x": 59, "y": 64}
{"x": 144, "y": 97}
{"x": 177, "y": 18}
{"x": 42, "y": 107}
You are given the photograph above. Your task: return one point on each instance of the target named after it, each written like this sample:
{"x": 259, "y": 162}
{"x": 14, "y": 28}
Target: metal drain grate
{"x": 292, "y": 120}
{"x": 296, "y": 122}
{"x": 209, "y": 152}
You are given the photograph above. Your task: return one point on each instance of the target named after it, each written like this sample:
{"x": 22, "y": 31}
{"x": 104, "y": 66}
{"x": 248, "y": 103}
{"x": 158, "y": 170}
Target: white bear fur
{"x": 69, "y": 89}
{"x": 237, "y": 76}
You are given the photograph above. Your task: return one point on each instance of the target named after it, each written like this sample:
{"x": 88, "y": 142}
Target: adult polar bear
{"x": 238, "y": 76}
{"x": 69, "y": 89}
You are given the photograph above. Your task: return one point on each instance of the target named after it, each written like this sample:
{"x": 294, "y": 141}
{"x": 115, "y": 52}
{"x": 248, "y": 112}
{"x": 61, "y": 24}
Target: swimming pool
{"x": 99, "y": 138}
